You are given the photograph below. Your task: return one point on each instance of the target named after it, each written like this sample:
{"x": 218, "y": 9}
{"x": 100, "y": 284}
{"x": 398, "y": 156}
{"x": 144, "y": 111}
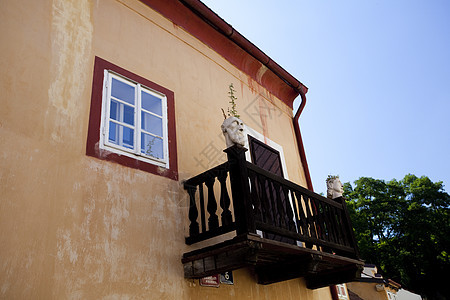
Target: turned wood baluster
{"x": 255, "y": 197}
{"x": 310, "y": 219}
{"x": 266, "y": 211}
{"x": 340, "y": 218}
{"x": 340, "y": 226}
{"x": 305, "y": 219}
{"x": 224, "y": 199}
{"x": 320, "y": 224}
{"x": 335, "y": 224}
{"x": 278, "y": 196}
{"x": 213, "y": 220}
{"x": 326, "y": 221}
{"x": 202, "y": 207}
{"x": 289, "y": 212}
{"x": 193, "y": 212}
{"x": 317, "y": 216}
{"x": 273, "y": 203}
{"x": 301, "y": 217}
{"x": 331, "y": 223}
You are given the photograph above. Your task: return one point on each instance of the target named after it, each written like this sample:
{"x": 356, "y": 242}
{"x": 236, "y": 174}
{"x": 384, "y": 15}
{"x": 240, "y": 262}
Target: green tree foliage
{"x": 404, "y": 228}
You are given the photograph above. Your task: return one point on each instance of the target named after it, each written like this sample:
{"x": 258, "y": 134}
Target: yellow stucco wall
{"x": 76, "y": 227}
{"x": 367, "y": 290}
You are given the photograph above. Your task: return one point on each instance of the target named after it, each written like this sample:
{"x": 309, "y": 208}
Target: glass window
{"x": 132, "y": 121}
{"x": 135, "y": 119}
{"x": 123, "y": 91}
{"x": 152, "y": 124}
{"x": 342, "y": 293}
{"x": 151, "y": 103}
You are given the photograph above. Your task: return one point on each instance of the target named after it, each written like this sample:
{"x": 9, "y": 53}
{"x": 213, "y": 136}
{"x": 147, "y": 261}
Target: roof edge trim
{"x": 205, "y": 25}
{"x": 226, "y": 29}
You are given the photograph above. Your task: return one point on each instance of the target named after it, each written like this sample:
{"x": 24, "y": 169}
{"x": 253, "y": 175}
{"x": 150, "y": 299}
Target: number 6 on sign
{"x": 227, "y": 278}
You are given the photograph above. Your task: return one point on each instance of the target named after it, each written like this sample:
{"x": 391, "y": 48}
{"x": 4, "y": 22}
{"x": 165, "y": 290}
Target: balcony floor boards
{"x": 272, "y": 261}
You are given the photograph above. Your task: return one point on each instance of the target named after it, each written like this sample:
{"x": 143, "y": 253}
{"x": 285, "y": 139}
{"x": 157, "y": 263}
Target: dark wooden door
{"x": 269, "y": 159}
{"x": 265, "y": 156}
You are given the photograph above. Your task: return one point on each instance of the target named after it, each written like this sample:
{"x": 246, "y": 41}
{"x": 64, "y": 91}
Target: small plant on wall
{"x": 232, "y": 112}
{"x": 232, "y": 126}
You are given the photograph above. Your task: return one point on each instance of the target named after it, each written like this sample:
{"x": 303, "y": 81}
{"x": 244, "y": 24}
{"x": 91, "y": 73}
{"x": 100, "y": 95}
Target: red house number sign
{"x": 212, "y": 281}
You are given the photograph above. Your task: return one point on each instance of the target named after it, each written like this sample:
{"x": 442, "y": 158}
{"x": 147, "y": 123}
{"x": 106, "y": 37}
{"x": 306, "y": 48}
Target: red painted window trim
{"x": 93, "y": 139}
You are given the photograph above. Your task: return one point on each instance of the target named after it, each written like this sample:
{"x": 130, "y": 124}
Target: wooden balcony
{"x": 283, "y": 230}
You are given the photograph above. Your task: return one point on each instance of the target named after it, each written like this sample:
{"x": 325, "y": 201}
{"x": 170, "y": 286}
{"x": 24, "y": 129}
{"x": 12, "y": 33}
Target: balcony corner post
{"x": 349, "y": 225}
{"x": 240, "y": 190}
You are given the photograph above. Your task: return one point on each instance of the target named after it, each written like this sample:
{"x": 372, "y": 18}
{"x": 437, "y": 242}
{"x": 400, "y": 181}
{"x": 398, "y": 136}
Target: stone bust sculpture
{"x": 334, "y": 187}
{"x": 233, "y": 130}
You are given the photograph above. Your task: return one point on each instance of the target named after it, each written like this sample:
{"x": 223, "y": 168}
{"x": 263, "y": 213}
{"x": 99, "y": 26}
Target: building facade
{"x": 108, "y": 107}
{"x": 372, "y": 285}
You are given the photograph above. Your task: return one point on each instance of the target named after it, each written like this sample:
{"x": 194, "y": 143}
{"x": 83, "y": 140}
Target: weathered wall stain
{"x": 71, "y": 38}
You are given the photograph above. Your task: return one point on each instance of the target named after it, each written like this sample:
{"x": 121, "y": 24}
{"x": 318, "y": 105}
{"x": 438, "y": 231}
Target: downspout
{"x": 301, "y": 148}
{"x": 334, "y": 293}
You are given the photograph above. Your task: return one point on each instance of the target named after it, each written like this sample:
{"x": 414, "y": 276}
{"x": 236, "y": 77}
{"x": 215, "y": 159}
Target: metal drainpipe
{"x": 334, "y": 293}
{"x": 301, "y": 149}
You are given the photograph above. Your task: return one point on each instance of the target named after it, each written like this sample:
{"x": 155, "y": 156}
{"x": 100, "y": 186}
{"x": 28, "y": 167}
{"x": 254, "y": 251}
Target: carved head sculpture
{"x": 233, "y": 130}
{"x": 334, "y": 187}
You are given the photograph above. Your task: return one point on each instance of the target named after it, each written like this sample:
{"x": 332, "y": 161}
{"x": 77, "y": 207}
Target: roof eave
{"x": 225, "y": 40}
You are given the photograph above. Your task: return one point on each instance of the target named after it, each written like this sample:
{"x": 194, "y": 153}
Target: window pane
{"x": 151, "y": 124}
{"x": 151, "y": 103}
{"x": 114, "y": 110}
{"x": 128, "y": 140}
{"x": 121, "y": 112}
{"x": 121, "y": 135}
{"x": 128, "y": 115}
{"x": 122, "y": 91}
{"x": 152, "y": 146}
{"x": 113, "y": 133}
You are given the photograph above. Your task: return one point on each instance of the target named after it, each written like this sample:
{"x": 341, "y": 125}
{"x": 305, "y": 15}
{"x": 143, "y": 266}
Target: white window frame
{"x": 342, "y": 288}
{"x": 260, "y": 137}
{"x": 134, "y": 153}
{"x": 392, "y": 295}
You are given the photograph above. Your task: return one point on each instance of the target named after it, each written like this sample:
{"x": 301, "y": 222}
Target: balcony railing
{"x": 265, "y": 204}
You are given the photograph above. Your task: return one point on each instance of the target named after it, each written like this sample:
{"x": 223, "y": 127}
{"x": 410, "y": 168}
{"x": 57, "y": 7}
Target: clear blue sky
{"x": 378, "y": 74}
